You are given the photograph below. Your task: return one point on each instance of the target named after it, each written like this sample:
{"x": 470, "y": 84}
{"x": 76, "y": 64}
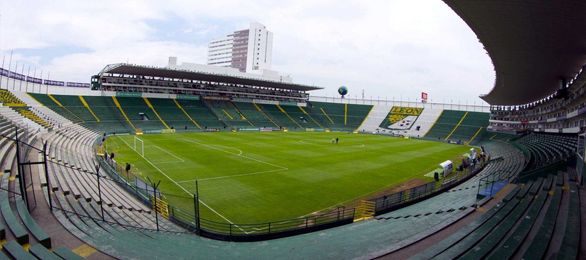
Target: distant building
{"x": 246, "y": 50}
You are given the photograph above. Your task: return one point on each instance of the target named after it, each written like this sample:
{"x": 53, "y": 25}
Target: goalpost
{"x": 139, "y": 146}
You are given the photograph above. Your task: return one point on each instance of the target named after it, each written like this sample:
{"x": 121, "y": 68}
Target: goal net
{"x": 139, "y": 146}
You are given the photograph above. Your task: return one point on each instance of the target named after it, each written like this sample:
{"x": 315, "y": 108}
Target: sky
{"x": 392, "y": 49}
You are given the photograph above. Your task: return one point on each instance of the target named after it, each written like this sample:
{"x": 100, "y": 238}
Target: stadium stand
{"x": 471, "y": 126}
{"x": 200, "y": 113}
{"x": 139, "y": 113}
{"x": 546, "y": 149}
{"x": 228, "y": 113}
{"x": 504, "y": 231}
{"x": 255, "y": 115}
{"x": 340, "y": 116}
{"x": 448, "y": 121}
{"x": 173, "y": 115}
{"x": 526, "y": 203}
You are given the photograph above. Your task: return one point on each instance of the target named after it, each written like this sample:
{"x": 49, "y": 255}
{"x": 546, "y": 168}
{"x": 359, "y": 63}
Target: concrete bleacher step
{"x": 469, "y": 239}
{"x": 67, "y": 254}
{"x": 537, "y": 247}
{"x": 14, "y": 225}
{"x": 13, "y": 249}
{"x": 38, "y": 233}
{"x": 519, "y": 233}
{"x": 492, "y": 238}
{"x": 41, "y": 252}
{"x": 571, "y": 242}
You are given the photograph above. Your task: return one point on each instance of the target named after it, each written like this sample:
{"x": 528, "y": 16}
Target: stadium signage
{"x": 243, "y": 100}
{"x": 216, "y": 98}
{"x": 187, "y": 97}
{"x": 54, "y": 83}
{"x": 285, "y": 103}
{"x": 17, "y": 76}
{"x": 268, "y": 102}
{"x": 128, "y": 94}
{"x": 34, "y": 80}
{"x": 77, "y": 85}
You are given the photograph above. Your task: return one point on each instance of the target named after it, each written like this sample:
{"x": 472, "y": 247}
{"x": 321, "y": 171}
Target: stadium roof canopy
{"x": 138, "y": 70}
{"x": 533, "y": 44}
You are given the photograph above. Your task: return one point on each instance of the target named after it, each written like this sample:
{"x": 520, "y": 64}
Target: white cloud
{"x": 389, "y": 48}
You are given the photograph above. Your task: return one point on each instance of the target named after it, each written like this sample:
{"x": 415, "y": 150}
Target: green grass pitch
{"x": 269, "y": 176}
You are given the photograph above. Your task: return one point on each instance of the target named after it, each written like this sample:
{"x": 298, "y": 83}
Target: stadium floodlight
{"x": 139, "y": 143}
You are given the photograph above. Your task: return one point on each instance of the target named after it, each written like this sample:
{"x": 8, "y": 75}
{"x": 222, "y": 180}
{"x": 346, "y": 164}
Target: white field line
{"x": 239, "y": 154}
{"x": 186, "y": 191}
{"x": 169, "y": 153}
{"x": 230, "y": 176}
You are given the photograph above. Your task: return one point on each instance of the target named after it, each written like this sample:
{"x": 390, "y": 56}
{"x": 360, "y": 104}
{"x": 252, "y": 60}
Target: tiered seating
{"x": 339, "y": 116}
{"x": 523, "y": 226}
{"x": 75, "y": 106}
{"x": 545, "y": 149}
{"x": 173, "y": 116}
{"x": 9, "y": 100}
{"x": 111, "y": 120}
{"x": 281, "y": 118}
{"x": 473, "y": 125}
{"x": 302, "y": 118}
{"x": 133, "y": 107}
{"x": 25, "y": 112}
{"x": 228, "y": 113}
{"x": 200, "y": 113}
{"x": 254, "y": 115}
{"x": 445, "y": 124}
{"x": 76, "y": 186}
{"x": 16, "y": 223}
{"x": 387, "y": 232}
{"x": 62, "y": 110}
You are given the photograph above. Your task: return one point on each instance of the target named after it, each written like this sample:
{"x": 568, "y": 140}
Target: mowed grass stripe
{"x": 243, "y": 184}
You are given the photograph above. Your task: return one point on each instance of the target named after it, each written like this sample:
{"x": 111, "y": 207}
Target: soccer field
{"x": 268, "y": 176}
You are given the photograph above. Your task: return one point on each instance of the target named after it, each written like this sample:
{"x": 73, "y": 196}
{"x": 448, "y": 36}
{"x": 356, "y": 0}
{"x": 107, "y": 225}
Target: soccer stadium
{"x": 176, "y": 162}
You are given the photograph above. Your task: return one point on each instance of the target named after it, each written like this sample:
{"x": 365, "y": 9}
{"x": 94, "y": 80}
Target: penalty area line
{"x": 183, "y": 188}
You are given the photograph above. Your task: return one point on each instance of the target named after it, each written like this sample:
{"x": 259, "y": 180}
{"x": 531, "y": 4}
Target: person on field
{"x": 337, "y": 140}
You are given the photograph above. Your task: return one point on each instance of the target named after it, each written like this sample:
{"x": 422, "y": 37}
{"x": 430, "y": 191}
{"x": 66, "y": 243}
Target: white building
{"x": 246, "y": 50}
{"x": 263, "y": 74}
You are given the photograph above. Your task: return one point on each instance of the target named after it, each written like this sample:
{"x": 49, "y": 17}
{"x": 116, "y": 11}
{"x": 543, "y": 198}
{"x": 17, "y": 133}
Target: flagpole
{"x": 21, "y": 73}
{"x": 14, "y": 75}
{"x": 28, "y": 74}
{"x": 1, "y": 74}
